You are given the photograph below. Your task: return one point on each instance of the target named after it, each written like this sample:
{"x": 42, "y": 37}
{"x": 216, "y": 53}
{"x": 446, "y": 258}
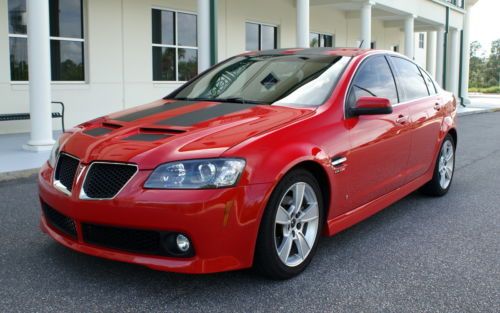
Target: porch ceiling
{"x": 392, "y": 18}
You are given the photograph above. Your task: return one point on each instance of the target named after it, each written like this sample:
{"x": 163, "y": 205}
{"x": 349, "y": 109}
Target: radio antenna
{"x": 361, "y": 44}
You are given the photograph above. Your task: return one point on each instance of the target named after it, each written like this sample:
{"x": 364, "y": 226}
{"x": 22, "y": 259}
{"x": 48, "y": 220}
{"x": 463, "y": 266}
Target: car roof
{"x": 349, "y": 52}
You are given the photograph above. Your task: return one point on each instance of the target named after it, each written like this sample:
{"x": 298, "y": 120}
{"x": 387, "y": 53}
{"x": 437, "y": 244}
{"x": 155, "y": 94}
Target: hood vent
{"x": 169, "y": 131}
{"x": 153, "y": 134}
{"x": 105, "y": 128}
{"x": 98, "y": 131}
{"x": 146, "y": 137}
{"x": 111, "y": 125}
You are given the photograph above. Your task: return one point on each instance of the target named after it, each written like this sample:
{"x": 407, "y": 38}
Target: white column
{"x": 39, "y": 76}
{"x": 431, "y": 53}
{"x": 452, "y": 67}
{"x": 440, "y": 56}
{"x": 409, "y": 36}
{"x": 465, "y": 58}
{"x": 203, "y": 35}
{"x": 366, "y": 25}
{"x": 303, "y": 23}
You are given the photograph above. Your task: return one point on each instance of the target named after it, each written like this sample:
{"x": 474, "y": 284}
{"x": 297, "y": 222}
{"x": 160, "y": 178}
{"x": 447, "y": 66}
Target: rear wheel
{"x": 443, "y": 172}
{"x": 290, "y": 227}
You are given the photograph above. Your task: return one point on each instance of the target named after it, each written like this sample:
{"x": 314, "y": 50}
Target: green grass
{"x": 493, "y": 89}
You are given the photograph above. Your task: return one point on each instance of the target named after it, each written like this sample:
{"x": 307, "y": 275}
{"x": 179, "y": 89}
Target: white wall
{"x": 420, "y": 53}
{"x": 236, "y": 12}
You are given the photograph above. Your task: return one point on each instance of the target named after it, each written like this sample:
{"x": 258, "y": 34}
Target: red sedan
{"x": 250, "y": 162}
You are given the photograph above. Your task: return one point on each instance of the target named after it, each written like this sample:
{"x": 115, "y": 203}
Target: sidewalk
{"x": 16, "y": 162}
{"x": 480, "y": 103}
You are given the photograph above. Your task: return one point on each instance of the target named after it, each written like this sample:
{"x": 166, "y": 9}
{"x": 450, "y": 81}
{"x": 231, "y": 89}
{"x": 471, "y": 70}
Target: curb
{"x": 479, "y": 111}
{"x": 6, "y": 176}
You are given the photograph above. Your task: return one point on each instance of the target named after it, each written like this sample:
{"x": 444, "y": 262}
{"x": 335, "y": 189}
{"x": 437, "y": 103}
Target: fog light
{"x": 182, "y": 243}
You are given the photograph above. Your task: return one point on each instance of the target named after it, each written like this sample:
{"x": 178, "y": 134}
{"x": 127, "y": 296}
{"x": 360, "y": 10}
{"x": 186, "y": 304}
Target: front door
{"x": 380, "y": 144}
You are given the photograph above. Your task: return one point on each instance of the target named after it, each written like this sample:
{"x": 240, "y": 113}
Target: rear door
{"x": 379, "y": 143}
{"x": 419, "y": 92}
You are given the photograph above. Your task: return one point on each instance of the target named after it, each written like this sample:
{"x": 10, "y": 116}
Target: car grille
{"x": 59, "y": 221}
{"x": 66, "y": 170}
{"x": 133, "y": 240}
{"x": 105, "y": 180}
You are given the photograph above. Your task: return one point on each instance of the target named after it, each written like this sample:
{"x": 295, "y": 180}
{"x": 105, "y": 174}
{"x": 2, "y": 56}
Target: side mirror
{"x": 371, "y": 106}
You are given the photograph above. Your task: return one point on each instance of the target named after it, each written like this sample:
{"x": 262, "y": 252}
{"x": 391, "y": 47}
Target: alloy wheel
{"x": 446, "y": 164}
{"x": 296, "y": 224}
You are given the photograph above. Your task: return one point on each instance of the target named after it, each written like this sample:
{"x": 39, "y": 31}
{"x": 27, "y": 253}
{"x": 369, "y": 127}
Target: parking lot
{"x": 419, "y": 255}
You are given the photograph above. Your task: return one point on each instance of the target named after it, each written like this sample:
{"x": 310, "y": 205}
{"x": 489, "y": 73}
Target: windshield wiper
{"x": 237, "y": 100}
{"x": 230, "y": 99}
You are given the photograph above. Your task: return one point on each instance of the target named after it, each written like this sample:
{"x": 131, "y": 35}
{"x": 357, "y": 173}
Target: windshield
{"x": 301, "y": 80}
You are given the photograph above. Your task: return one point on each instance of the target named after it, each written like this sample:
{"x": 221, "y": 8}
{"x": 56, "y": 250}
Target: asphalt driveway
{"x": 419, "y": 255}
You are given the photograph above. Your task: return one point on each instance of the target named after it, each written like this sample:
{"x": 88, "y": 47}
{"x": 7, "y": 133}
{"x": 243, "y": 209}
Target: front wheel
{"x": 290, "y": 226}
{"x": 444, "y": 170}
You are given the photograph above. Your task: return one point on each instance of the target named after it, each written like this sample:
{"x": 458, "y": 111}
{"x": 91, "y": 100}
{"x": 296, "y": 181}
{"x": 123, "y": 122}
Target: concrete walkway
{"x": 481, "y": 103}
{"x": 16, "y": 162}
{"x": 13, "y": 158}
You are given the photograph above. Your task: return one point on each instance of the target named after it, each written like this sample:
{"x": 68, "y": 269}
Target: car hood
{"x": 168, "y": 130}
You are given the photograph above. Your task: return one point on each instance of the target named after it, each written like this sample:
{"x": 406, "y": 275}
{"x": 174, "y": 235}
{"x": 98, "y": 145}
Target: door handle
{"x": 401, "y": 119}
{"x": 338, "y": 160}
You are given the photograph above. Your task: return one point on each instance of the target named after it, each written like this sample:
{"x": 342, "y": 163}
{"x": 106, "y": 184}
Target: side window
{"x": 430, "y": 83}
{"x": 411, "y": 79}
{"x": 373, "y": 79}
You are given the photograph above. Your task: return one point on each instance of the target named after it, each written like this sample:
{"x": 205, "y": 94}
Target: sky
{"x": 485, "y": 22}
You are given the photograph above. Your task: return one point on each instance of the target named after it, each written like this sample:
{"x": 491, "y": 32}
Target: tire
{"x": 284, "y": 229}
{"x": 445, "y": 165}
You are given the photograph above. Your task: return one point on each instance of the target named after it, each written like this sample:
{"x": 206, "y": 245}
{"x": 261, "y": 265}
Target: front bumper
{"x": 222, "y": 224}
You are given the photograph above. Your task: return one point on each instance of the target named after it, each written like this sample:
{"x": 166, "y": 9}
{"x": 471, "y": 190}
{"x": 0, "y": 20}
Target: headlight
{"x": 54, "y": 154}
{"x": 196, "y": 174}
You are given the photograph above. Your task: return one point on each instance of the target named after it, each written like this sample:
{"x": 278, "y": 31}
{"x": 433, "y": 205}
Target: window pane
{"x": 328, "y": 41}
{"x": 268, "y": 37}
{"x": 252, "y": 36}
{"x": 430, "y": 84}
{"x": 163, "y": 27}
{"x": 67, "y": 60}
{"x": 17, "y": 16}
{"x": 374, "y": 79}
{"x": 411, "y": 79}
{"x": 66, "y": 18}
{"x": 188, "y": 63}
{"x": 163, "y": 63}
{"x": 18, "y": 58}
{"x": 187, "y": 29}
{"x": 313, "y": 40}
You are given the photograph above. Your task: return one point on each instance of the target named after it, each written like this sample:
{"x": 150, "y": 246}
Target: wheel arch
{"x": 454, "y": 135}
{"x": 321, "y": 176}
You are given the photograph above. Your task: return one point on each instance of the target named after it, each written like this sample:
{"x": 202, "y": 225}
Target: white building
{"x": 107, "y": 55}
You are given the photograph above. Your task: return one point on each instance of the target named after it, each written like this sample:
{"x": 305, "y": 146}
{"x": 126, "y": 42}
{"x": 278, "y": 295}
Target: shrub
{"x": 492, "y": 89}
